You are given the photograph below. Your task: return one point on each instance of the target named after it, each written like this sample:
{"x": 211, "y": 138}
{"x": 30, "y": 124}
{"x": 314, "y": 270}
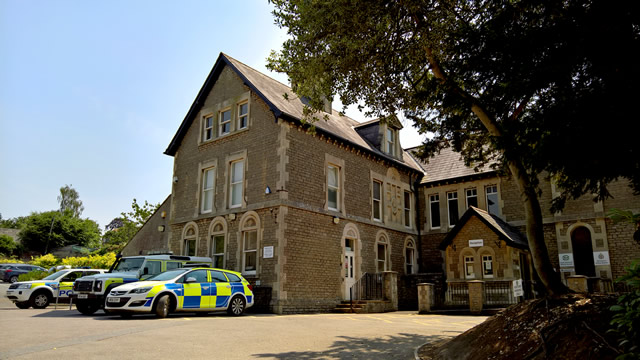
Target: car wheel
{"x": 13, "y": 279}
{"x": 86, "y": 307}
{"x": 236, "y": 306}
{"x": 23, "y": 305}
{"x": 40, "y": 300}
{"x": 163, "y": 306}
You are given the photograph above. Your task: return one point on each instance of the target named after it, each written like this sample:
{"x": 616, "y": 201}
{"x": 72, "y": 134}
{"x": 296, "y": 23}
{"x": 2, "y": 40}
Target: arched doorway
{"x": 583, "y": 251}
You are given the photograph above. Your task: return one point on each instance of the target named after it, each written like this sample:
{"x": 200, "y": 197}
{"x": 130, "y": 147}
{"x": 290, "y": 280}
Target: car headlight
{"x": 97, "y": 286}
{"x": 141, "y": 290}
{"x": 24, "y": 286}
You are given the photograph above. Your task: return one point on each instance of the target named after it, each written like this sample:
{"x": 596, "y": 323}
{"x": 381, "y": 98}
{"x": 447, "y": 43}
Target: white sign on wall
{"x": 476, "y": 243}
{"x": 267, "y": 252}
{"x": 566, "y": 260}
{"x": 517, "y": 288}
{"x": 601, "y": 258}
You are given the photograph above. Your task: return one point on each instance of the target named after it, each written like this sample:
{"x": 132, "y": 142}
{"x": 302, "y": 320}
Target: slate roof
{"x": 448, "y": 165}
{"x": 290, "y": 108}
{"x": 506, "y": 232}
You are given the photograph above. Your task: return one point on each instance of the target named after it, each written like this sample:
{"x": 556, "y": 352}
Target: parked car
{"x": 10, "y": 272}
{"x": 90, "y": 292}
{"x": 40, "y": 293}
{"x": 186, "y": 290}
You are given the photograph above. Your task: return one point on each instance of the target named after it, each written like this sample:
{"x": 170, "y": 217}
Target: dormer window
{"x": 391, "y": 142}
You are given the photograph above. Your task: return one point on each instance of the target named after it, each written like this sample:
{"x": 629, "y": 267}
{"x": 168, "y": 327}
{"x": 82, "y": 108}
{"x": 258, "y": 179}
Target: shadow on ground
{"x": 389, "y": 347}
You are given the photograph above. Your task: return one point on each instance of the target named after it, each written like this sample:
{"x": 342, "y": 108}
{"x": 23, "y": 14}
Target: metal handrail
{"x": 368, "y": 287}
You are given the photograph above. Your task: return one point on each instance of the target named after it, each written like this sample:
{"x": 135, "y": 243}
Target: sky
{"x": 92, "y": 92}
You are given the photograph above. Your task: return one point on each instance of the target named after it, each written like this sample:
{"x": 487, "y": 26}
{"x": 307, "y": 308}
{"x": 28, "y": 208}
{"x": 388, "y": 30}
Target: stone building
{"x": 581, "y": 240}
{"x": 304, "y": 211}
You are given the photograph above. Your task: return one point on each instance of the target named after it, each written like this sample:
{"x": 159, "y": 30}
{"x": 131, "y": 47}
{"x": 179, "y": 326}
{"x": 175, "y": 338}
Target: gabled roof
{"x": 272, "y": 92}
{"x": 448, "y": 165}
{"x": 505, "y": 232}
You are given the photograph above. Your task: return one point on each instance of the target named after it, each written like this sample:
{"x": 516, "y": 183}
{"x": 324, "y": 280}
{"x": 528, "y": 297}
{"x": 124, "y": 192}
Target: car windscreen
{"x": 129, "y": 264}
{"x": 168, "y": 275}
{"x": 55, "y": 275}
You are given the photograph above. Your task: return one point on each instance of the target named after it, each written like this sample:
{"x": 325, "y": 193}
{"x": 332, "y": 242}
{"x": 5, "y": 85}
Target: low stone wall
{"x": 408, "y": 288}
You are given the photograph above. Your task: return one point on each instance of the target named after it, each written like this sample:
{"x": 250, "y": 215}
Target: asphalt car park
{"x": 67, "y": 334}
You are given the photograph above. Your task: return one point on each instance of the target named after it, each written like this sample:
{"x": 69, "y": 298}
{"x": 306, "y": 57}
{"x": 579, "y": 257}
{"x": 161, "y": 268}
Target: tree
{"x": 7, "y": 245}
{"x": 627, "y": 216}
{"x": 541, "y": 87}
{"x": 69, "y": 201}
{"x": 13, "y": 223}
{"x": 122, "y": 229}
{"x": 50, "y": 230}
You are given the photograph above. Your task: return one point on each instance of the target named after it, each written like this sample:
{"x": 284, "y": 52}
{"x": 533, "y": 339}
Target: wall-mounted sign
{"x": 601, "y": 258}
{"x": 566, "y": 260}
{"x": 517, "y": 288}
{"x": 476, "y": 243}
{"x": 267, "y": 252}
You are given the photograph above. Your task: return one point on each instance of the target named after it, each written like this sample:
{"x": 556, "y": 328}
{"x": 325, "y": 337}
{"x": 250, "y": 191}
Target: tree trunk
{"x": 535, "y": 233}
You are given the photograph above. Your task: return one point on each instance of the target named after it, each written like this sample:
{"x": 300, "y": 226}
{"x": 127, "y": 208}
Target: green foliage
{"x": 65, "y": 230}
{"x": 70, "y": 202}
{"x": 626, "y": 321}
{"x": 530, "y": 82}
{"x": 121, "y": 230}
{"x": 33, "y": 275}
{"x": 140, "y": 214}
{"x": 626, "y": 216}
{"x": 13, "y": 223}
{"x": 94, "y": 261}
{"x": 4, "y": 260}
{"x": 45, "y": 261}
{"x": 7, "y": 245}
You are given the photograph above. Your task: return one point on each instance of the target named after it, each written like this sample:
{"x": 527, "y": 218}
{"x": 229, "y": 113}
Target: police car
{"x": 186, "y": 290}
{"x": 40, "y": 293}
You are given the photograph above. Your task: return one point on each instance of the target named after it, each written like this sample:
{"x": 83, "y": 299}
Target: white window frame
{"x": 244, "y": 116}
{"x": 406, "y": 215}
{"x": 335, "y": 187}
{"x": 382, "y": 239}
{"x": 245, "y": 230}
{"x": 471, "y": 193}
{"x": 376, "y": 203}
{"x": 410, "y": 261}
{"x": 432, "y": 201}
{"x": 490, "y": 190}
{"x": 208, "y": 128}
{"x": 469, "y": 263}
{"x": 222, "y": 123}
{"x": 235, "y": 183}
{"x": 390, "y": 143}
{"x": 205, "y": 191}
{"x": 449, "y": 199}
{"x": 487, "y": 259}
{"x": 187, "y": 238}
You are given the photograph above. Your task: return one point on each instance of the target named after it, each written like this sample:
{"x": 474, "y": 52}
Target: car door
{"x": 197, "y": 292}
{"x": 65, "y": 286}
{"x": 220, "y": 290}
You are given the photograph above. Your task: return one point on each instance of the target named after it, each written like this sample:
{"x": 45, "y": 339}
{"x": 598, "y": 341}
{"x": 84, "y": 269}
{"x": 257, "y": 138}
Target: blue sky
{"x": 91, "y": 93}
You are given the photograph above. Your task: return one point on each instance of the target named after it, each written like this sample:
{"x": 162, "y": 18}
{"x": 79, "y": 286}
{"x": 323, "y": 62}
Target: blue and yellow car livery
{"x": 185, "y": 289}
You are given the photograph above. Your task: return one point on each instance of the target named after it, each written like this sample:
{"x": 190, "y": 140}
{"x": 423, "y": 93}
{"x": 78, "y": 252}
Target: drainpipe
{"x": 418, "y": 223}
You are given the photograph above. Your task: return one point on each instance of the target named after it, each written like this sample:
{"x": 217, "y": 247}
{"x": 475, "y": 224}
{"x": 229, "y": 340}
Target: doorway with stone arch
{"x": 351, "y": 259}
{"x": 582, "y": 251}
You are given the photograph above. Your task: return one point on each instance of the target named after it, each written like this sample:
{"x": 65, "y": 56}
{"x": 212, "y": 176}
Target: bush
{"x": 7, "y": 245}
{"x": 33, "y": 275}
{"x": 94, "y": 261}
{"x": 626, "y": 321}
{"x": 4, "y": 260}
{"x": 45, "y": 261}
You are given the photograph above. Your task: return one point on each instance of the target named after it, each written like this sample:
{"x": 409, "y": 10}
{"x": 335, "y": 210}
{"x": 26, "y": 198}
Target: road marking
{"x": 377, "y": 318}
